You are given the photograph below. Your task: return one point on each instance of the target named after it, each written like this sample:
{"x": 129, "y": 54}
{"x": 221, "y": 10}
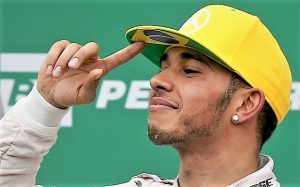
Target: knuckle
{"x": 65, "y": 42}
{"x": 75, "y": 45}
{"x": 94, "y": 45}
{"x": 62, "y": 42}
{"x": 51, "y": 58}
{"x": 117, "y": 58}
{"x": 60, "y": 45}
{"x": 81, "y": 54}
{"x": 87, "y": 50}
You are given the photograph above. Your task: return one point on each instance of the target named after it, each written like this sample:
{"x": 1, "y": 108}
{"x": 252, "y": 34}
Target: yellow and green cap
{"x": 237, "y": 40}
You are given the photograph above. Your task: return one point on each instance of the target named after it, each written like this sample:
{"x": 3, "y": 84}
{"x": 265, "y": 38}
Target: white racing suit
{"x": 29, "y": 129}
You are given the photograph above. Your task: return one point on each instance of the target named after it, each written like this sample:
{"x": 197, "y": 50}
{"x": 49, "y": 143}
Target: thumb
{"x": 87, "y": 92}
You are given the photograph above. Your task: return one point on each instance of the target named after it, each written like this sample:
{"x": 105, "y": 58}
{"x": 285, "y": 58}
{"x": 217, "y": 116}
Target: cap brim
{"x": 158, "y": 39}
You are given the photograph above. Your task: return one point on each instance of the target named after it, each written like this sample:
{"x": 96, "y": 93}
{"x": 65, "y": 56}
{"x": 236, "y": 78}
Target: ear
{"x": 252, "y": 101}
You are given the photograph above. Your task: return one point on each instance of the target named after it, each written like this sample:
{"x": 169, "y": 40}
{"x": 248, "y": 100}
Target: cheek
{"x": 202, "y": 92}
{"x": 197, "y": 115}
{"x": 195, "y": 96}
{"x": 200, "y": 99}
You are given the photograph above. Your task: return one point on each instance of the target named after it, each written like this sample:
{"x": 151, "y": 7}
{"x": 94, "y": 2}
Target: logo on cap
{"x": 196, "y": 22}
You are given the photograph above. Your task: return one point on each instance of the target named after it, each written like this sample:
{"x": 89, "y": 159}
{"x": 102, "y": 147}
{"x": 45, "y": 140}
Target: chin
{"x": 165, "y": 136}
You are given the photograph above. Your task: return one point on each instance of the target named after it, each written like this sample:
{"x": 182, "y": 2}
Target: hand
{"x": 71, "y": 72}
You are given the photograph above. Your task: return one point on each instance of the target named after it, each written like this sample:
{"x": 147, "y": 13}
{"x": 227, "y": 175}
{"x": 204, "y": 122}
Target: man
{"x": 215, "y": 100}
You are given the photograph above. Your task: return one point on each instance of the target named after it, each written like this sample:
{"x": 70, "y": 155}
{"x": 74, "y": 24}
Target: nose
{"x": 162, "y": 81}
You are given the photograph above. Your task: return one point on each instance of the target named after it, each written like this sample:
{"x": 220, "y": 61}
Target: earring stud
{"x": 235, "y": 118}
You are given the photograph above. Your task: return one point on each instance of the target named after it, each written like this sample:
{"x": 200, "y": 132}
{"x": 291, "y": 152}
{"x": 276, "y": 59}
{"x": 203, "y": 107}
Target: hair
{"x": 267, "y": 120}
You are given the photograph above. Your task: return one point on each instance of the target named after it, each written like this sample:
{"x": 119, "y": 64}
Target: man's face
{"x": 187, "y": 97}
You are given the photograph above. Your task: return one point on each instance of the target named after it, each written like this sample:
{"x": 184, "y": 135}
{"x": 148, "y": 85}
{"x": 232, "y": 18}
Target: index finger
{"x": 122, "y": 56}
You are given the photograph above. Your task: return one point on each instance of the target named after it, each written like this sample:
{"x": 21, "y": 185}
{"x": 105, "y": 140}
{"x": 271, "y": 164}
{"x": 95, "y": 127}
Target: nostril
{"x": 159, "y": 87}
{"x": 156, "y": 85}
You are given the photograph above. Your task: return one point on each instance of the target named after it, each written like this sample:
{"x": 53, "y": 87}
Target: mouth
{"x": 160, "y": 103}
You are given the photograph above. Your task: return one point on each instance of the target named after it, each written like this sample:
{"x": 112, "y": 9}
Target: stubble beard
{"x": 191, "y": 129}
{"x": 194, "y": 126}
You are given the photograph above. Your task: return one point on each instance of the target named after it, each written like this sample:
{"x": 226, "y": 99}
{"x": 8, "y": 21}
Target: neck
{"x": 212, "y": 165}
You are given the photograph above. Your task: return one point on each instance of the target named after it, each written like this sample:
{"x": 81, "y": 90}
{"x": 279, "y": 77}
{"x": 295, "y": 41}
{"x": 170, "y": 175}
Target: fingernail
{"x": 49, "y": 70}
{"x": 100, "y": 72}
{"x": 73, "y": 63}
{"x": 57, "y": 71}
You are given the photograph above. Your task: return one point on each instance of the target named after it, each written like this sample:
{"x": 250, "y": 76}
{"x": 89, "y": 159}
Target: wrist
{"x": 50, "y": 100}
{"x": 36, "y": 113}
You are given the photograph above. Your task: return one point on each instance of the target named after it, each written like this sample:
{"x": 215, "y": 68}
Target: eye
{"x": 190, "y": 71}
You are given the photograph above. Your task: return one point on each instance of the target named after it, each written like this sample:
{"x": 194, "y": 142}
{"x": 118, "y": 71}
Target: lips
{"x": 161, "y": 103}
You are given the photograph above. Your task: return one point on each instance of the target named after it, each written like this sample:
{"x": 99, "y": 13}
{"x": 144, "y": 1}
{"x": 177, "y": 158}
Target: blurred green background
{"x": 110, "y": 145}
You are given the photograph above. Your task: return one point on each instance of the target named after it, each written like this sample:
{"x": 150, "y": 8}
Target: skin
{"x": 63, "y": 83}
{"x": 182, "y": 81}
{"x": 187, "y": 109}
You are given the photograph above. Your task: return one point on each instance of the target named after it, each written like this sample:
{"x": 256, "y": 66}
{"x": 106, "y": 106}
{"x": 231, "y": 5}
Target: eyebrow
{"x": 186, "y": 55}
{"x": 200, "y": 58}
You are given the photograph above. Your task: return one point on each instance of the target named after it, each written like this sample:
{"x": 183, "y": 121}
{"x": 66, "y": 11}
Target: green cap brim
{"x": 157, "y": 39}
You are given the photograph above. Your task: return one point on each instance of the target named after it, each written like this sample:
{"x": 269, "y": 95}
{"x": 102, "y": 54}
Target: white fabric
{"x": 29, "y": 130}
{"x": 264, "y": 177}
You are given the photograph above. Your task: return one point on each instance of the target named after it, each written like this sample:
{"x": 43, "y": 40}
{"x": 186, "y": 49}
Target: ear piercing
{"x": 235, "y": 118}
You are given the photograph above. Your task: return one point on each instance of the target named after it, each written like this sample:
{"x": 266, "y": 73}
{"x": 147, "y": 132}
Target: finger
{"x": 122, "y": 56}
{"x": 64, "y": 58}
{"x": 87, "y": 92}
{"x": 53, "y": 54}
{"x": 88, "y": 51}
